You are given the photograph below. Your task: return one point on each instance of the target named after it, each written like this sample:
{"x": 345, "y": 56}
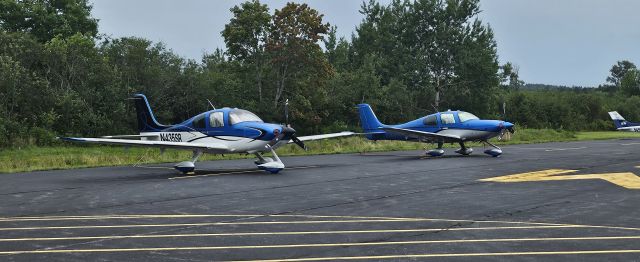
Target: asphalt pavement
{"x": 553, "y": 202}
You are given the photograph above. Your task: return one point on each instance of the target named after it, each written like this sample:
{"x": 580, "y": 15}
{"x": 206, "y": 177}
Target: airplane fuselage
{"x": 469, "y": 130}
{"x": 219, "y": 127}
{"x": 630, "y": 129}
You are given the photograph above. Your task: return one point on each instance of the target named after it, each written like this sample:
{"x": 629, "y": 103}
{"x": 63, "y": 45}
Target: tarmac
{"x": 575, "y": 201}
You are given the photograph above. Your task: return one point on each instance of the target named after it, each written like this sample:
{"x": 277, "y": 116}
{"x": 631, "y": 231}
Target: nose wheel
{"x": 494, "y": 152}
{"x": 268, "y": 164}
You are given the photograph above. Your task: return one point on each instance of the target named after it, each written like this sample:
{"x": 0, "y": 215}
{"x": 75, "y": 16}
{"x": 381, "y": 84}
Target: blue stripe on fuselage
{"x": 253, "y": 130}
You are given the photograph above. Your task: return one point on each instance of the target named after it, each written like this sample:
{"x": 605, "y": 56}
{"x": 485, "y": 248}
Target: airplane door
{"x": 447, "y": 120}
{"x": 216, "y": 123}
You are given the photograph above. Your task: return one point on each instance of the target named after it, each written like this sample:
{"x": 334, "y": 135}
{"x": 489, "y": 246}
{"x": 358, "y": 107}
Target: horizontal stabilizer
{"x": 325, "y": 136}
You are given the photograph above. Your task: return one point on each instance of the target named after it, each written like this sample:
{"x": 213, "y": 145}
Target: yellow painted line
{"x": 48, "y": 218}
{"x": 237, "y": 172}
{"x": 580, "y": 252}
{"x": 316, "y": 245}
{"x": 100, "y": 217}
{"x": 61, "y": 218}
{"x": 288, "y": 233}
{"x": 216, "y": 224}
{"x": 528, "y": 176}
{"x": 625, "y": 179}
{"x": 386, "y": 219}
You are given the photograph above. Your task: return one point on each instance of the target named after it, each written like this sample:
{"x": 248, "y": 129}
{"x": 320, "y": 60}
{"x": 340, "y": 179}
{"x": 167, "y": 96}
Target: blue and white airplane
{"x": 623, "y": 125}
{"x": 219, "y": 131}
{"x": 442, "y": 127}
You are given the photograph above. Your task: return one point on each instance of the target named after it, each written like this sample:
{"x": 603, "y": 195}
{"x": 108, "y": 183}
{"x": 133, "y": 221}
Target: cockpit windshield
{"x": 239, "y": 115}
{"x": 465, "y": 116}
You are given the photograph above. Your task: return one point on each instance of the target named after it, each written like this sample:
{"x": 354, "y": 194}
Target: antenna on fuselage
{"x": 286, "y": 112}
{"x": 211, "y": 104}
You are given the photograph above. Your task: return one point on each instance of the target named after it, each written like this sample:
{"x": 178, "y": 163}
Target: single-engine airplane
{"x": 442, "y": 127}
{"x": 219, "y": 131}
{"x": 623, "y": 125}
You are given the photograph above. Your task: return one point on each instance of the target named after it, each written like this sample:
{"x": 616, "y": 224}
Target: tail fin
{"x": 146, "y": 121}
{"x": 368, "y": 119}
{"x": 618, "y": 120}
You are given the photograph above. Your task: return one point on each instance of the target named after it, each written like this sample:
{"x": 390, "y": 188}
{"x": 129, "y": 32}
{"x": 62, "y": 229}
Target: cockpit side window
{"x": 431, "y": 120}
{"x": 447, "y": 118}
{"x": 199, "y": 122}
{"x": 216, "y": 119}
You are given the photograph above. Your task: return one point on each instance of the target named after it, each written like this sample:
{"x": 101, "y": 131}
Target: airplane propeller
{"x": 512, "y": 129}
{"x": 287, "y": 130}
{"x": 504, "y": 117}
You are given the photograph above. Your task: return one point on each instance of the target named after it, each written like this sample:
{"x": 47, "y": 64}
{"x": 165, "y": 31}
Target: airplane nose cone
{"x": 510, "y": 127}
{"x": 502, "y": 125}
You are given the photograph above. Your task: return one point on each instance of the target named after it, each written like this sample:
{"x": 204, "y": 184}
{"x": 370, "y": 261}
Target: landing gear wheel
{"x": 494, "y": 152}
{"x": 187, "y": 167}
{"x": 465, "y": 151}
{"x": 436, "y": 152}
{"x": 272, "y": 166}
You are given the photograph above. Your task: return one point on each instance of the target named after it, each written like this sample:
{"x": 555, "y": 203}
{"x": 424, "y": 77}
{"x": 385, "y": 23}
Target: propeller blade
{"x": 298, "y": 142}
{"x": 512, "y": 130}
{"x": 286, "y": 112}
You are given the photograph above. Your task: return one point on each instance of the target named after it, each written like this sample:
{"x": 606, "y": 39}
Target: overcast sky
{"x": 567, "y": 42}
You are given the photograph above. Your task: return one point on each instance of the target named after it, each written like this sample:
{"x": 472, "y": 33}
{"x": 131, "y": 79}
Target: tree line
{"x": 59, "y": 76}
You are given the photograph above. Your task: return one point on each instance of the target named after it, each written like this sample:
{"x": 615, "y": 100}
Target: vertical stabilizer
{"x": 146, "y": 121}
{"x": 368, "y": 119}
{"x": 618, "y": 120}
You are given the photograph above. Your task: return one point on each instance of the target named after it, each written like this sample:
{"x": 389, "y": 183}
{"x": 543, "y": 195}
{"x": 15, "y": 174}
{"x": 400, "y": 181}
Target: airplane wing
{"x": 148, "y": 143}
{"x": 421, "y": 134}
{"x": 324, "y": 136}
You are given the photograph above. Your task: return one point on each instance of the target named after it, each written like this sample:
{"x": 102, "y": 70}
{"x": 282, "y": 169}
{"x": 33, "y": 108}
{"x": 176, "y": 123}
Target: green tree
{"x": 46, "y": 19}
{"x": 619, "y": 70}
{"x": 245, "y": 36}
{"x": 293, "y": 45}
{"x": 630, "y": 83}
{"x": 510, "y": 77}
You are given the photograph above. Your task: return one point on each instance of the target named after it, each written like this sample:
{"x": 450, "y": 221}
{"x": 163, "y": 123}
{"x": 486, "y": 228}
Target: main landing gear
{"x": 436, "y": 152}
{"x": 465, "y": 151}
{"x": 269, "y": 164}
{"x": 440, "y": 152}
{"x": 494, "y": 152}
{"x": 187, "y": 167}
